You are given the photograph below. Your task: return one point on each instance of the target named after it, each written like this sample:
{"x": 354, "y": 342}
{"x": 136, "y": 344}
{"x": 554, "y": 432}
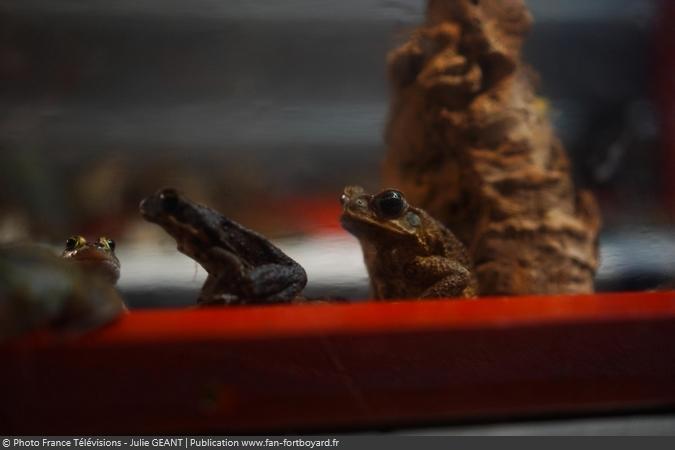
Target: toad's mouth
{"x": 94, "y": 260}
{"x": 370, "y": 228}
{"x": 103, "y": 262}
{"x": 91, "y": 253}
{"x": 98, "y": 262}
{"x": 356, "y": 226}
{"x": 102, "y": 267}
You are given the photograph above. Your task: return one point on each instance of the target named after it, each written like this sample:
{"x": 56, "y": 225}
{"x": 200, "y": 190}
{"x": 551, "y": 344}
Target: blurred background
{"x": 265, "y": 110}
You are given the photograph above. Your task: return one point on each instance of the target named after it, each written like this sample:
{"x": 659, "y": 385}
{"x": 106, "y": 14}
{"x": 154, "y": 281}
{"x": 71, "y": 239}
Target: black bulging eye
{"x": 169, "y": 199}
{"x": 71, "y": 243}
{"x": 111, "y": 244}
{"x": 389, "y": 204}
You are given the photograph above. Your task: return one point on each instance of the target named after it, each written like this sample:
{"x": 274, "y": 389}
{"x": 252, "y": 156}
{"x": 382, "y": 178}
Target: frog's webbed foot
{"x": 276, "y": 283}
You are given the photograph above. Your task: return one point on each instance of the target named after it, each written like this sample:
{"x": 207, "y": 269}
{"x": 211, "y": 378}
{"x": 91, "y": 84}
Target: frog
{"x": 243, "y": 266}
{"x": 39, "y": 290}
{"x": 408, "y": 253}
{"x": 96, "y": 258}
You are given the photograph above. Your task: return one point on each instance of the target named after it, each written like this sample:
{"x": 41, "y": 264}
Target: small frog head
{"x": 94, "y": 257}
{"x": 162, "y": 206}
{"x": 386, "y": 214}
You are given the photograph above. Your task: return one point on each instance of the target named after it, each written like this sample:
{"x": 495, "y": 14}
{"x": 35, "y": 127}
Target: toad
{"x": 407, "y": 252}
{"x": 243, "y": 267}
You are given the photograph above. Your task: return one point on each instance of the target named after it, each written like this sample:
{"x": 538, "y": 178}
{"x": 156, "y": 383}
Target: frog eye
{"x": 389, "y": 204}
{"x": 106, "y": 243}
{"x": 169, "y": 199}
{"x": 75, "y": 242}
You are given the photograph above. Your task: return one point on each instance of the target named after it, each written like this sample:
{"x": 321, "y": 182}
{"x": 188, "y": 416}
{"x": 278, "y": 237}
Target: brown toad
{"x": 243, "y": 266}
{"x": 408, "y": 253}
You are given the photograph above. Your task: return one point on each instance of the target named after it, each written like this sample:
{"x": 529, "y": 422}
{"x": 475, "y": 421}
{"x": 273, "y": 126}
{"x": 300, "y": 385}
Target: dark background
{"x": 257, "y": 106}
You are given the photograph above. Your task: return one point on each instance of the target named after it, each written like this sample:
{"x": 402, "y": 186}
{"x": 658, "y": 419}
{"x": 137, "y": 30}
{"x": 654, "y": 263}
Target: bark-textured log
{"x": 470, "y": 141}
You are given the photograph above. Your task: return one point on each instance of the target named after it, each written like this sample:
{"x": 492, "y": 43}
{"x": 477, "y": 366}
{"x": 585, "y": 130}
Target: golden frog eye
{"x": 106, "y": 243}
{"x": 75, "y": 242}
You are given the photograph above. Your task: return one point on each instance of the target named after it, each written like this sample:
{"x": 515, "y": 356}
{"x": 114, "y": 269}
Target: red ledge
{"x": 282, "y": 368}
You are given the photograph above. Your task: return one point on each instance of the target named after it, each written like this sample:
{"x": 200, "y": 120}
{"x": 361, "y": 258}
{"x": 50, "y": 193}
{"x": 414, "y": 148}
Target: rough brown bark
{"x": 469, "y": 141}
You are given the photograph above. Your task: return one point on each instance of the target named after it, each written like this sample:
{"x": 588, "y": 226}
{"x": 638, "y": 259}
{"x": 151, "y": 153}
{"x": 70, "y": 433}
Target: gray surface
{"x": 303, "y": 77}
{"x": 655, "y": 425}
{"x": 544, "y": 10}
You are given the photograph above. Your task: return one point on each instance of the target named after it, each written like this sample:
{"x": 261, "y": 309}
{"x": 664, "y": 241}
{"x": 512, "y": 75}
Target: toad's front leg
{"x": 446, "y": 277}
{"x": 218, "y": 291}
{"x": 227, "y": 278}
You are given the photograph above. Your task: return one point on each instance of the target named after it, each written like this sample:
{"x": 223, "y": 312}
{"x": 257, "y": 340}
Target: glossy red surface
{"x": 295, "y": 368}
